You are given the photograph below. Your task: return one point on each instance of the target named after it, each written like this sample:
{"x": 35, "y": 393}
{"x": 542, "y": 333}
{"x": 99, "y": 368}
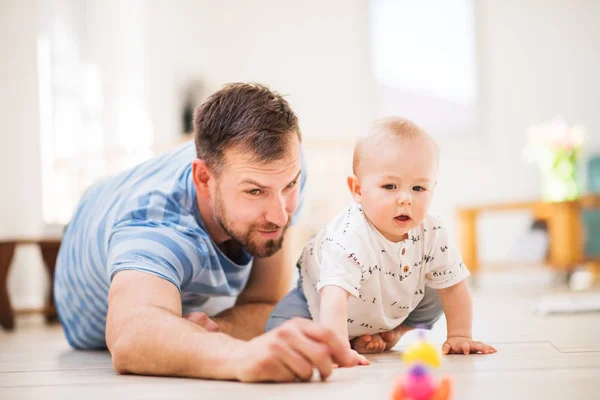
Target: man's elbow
{"x": 120, "y": 346}
{"x": 120, "y": 352}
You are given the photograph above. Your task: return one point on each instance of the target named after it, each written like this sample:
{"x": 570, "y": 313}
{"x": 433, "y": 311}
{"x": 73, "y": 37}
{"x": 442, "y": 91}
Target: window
{"x": 91, "y": 127}
{"x": 423, "y": 59}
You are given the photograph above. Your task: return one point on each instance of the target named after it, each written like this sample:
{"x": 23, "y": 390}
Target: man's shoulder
{"x": 155, "y": 189}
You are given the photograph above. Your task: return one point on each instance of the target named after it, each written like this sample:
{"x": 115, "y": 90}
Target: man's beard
{"x": 258, "y": 249}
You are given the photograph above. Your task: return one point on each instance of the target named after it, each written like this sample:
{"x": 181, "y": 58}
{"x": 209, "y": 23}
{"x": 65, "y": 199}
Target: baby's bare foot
{"x": 368, "y": 344}
{"x": 392, "y": 337}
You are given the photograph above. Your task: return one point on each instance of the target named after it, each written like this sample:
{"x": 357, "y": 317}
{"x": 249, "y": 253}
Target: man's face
{"x": 254, "y": 202}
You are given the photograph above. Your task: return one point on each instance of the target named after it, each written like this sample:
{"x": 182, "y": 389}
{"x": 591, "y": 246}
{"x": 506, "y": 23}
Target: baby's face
{"x": 397, "y": 183}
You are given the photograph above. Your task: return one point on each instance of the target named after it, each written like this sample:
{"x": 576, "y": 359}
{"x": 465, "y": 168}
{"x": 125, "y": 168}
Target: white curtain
{"x": 93, "y": 77}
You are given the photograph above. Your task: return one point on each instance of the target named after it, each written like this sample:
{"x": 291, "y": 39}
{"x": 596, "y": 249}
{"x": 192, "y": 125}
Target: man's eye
{"x": 418, "y": 188}
{"x": 389, "y": 187}
{"x": 253, "y": 192}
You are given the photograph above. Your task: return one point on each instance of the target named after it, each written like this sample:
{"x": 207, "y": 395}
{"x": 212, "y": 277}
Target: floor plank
{"x": 539, "y": 357}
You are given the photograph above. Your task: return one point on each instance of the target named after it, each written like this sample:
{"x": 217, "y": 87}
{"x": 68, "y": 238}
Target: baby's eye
{"x": 253, "y": 192}
{"x": 292, "y": 184}
{"x": 418, "y": 188}
{"x": 389, "y": 186}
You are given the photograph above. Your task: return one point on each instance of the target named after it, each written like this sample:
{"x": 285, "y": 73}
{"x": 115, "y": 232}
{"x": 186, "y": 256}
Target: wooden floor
{"x": 553, "y": 357}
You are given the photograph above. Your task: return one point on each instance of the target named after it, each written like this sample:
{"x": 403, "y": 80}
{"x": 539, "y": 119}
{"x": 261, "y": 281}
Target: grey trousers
{"x": 294, "y": 305}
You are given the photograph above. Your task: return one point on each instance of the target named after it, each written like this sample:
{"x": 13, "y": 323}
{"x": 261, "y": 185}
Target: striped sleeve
{"x": 159, "y": 250}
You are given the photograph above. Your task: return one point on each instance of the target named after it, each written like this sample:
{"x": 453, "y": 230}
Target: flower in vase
{"x": 555, "y": 147}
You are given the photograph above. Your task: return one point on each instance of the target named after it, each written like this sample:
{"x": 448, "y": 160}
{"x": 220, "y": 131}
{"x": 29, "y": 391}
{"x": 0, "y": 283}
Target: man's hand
{"x": 291, "y": 352}
{"x": 200, "y": 318}
{"x": 465, "y": 345}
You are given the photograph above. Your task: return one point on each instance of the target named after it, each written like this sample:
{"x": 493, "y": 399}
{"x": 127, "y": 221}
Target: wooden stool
{"x": 49, "y": 248}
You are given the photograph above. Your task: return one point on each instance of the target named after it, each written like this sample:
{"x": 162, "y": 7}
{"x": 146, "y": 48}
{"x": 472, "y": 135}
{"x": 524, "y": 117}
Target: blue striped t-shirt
{"x": 144, "y": 219}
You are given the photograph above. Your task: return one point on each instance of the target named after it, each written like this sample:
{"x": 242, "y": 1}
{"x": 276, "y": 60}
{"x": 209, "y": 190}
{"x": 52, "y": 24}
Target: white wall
{"x": 315, "y": 51}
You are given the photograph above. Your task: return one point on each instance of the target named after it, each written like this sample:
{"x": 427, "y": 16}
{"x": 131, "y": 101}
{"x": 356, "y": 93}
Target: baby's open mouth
{"x": 402, "y": 217}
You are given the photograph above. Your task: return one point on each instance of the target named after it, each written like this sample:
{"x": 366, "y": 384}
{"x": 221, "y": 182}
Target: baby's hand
{"x": 368, "y": 344}
{"x": 465, "y": 345}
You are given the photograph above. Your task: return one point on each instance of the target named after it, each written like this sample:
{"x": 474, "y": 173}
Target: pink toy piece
{"x": 419, "y": 385}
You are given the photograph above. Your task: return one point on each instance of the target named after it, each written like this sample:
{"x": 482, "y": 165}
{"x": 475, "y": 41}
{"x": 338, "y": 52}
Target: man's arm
{"x": 269, "y": 281}
{"x": 146, "y": 335}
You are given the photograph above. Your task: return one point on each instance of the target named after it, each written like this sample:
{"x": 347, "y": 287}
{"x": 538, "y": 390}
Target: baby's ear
{"x": 354, "y": 186}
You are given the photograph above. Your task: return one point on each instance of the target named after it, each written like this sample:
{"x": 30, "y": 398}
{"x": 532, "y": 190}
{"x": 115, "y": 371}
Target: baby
{"x": 373, "y": 272}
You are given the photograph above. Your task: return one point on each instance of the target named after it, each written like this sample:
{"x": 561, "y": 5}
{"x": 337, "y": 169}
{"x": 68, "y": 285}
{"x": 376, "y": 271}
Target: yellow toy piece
{"x": 424, "y": 353}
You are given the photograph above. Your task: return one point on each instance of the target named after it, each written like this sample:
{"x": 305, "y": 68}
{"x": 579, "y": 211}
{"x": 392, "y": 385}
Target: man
{"x": 197, "y": 222}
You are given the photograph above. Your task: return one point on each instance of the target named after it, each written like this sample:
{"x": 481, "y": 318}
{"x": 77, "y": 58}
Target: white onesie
{"x": 386, "y": 280}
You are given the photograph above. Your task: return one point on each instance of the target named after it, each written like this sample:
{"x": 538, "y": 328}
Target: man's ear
{"x": 354, "y": 186}
{"x": 202, "y": 177}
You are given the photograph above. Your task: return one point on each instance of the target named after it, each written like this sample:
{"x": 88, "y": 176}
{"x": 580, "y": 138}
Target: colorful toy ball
{"x": 419, "y": 385}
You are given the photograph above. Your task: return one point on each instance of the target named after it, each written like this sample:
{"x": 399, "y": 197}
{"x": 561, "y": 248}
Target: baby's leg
{"x": 427, "y": 312}
{"x": 293, "y": 305}
{"x": 368, "y": 344}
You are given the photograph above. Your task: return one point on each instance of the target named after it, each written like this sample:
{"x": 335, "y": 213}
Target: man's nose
{"x": 276, "y": 213}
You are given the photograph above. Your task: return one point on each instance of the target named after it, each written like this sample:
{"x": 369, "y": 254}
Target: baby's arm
{"x": 458, "y": 307}
{"x": 445, "y": 271}
{"x": 334, "y": 310}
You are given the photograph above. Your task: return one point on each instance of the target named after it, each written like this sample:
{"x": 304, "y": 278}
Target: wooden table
{"x": 49, "y": 249}
{"x": 563, "y": 219}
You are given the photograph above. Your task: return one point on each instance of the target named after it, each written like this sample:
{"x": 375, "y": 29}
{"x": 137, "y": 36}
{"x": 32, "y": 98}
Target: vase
{"x": 559, "y": 176}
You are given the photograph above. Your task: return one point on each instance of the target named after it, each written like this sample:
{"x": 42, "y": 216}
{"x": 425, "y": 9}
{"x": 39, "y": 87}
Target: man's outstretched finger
{"x": 339, "y": 350}
{"x": 316, "y": 353}
{"x": 362, "y": 360}
{"x": 282, "y": 373}
{"x": 295, "y": 361}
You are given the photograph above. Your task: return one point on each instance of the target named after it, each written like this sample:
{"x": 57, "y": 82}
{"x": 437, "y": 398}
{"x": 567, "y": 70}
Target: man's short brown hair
{"x": 248, "y": 116}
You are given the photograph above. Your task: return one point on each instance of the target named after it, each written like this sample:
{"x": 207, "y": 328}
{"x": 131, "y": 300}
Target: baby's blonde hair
{"x": 384, "y": 127}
